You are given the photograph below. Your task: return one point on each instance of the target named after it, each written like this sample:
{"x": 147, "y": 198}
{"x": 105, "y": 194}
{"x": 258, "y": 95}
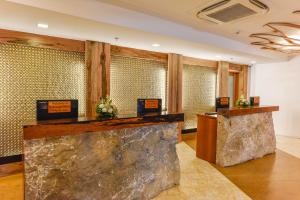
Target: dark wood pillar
{"x": 175, "y": 66}
{"x": 243, "y": 81}
{"x": 97, "y": 60}
{"x": 222, "y": 79}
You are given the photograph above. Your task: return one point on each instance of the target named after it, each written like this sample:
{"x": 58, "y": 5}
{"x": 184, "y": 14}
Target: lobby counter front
{"x": 236, "y": 135}
{"x": 124, "y": 158}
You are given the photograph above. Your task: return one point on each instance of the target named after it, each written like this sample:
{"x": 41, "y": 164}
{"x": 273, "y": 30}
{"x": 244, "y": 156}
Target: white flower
{"x": 110, "y": 110}
{"x": 101, "y": 105}
{"x": 104, "y": 110}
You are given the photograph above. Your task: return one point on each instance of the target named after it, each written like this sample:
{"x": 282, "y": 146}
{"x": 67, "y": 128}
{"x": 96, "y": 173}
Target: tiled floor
{"x": 274, "y": 177}
{"x": 200, "y": 181}
{"x": 289, "y": 145}
{"x": 11, "y": 187}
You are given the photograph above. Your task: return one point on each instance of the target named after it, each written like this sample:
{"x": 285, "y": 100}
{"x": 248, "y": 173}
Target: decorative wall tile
{"x": 30, "y": 73}
{"x": 198, "y": 92}
{"x": 133, "y": 78}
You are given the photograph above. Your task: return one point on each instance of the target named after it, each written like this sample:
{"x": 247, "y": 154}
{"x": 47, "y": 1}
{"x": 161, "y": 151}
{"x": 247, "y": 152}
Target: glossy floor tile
{"x": 200, "y": 181}
{"x": 11, "y": 187}
{"x": 289, "y": 145}
{"x": 273, "y": 177}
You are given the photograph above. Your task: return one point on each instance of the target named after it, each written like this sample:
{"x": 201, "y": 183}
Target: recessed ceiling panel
{"x": 231, "y": 13}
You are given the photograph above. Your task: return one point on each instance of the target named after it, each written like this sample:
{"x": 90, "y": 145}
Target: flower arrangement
{"x": 242, "y": 102}
{"x": 106, "y": 109}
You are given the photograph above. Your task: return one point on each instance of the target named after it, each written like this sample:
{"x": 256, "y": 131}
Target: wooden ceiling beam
{"x": 43, "y": 41}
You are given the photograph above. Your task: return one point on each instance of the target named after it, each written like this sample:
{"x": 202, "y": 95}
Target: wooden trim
{"x": 190, "y": 130}
{"x": 206, "y": 139}
{"x": 138, "y": 53}
{"x": 42, "y": 41}
{"x": 11, "y": 159}
{"x": 234, "y": 67}
{"x": 97, "y": 60}
{"x": 175, "y": 67}
{"x": 243, "y": 81}
{"x": 53, "y": 128}
{"x": 222, "y": 79}
{"x": 175, "y": 83}
{"x": 235, "y": 86}
{"x": 200, "y": 62}
{"x": 106, "y": 60}
{"x": 12, "y": 168}
{"x": 237, "y": 111}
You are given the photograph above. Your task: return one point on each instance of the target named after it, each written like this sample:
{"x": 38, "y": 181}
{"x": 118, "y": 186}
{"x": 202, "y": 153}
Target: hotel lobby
{"x": 148, "y": 99}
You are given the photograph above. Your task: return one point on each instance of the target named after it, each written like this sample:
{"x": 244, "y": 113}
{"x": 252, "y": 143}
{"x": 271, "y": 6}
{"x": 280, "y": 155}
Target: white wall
{"x": 279, "y": 84}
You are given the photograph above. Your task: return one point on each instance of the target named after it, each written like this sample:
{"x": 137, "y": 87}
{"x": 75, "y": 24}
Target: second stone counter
{"x": 237, "y": 135}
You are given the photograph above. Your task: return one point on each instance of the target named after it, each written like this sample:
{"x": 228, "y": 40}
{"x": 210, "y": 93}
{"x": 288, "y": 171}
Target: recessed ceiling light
{"x": 218, "y": 56}
{"x": 156, "y": 45}
{"x": 42, "y": 25}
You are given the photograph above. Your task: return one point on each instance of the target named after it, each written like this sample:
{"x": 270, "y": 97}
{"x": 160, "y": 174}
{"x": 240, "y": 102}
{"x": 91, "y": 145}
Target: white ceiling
{"x": 183, "y": 11}
{"x": 172, "y": 26}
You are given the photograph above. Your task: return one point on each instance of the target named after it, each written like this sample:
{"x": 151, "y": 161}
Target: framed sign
{"x": 56, "y": 109}
{"x": 222, "y": 102}
{"x": 254, "y": 101}
{"x": 148, "y": 106}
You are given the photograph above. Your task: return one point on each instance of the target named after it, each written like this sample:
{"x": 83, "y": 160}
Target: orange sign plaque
{"x": 256, "y": 100}
{"x": 59, "y": 106}
{"x": 153, "y": 103}
{"x": 224, "y": 101}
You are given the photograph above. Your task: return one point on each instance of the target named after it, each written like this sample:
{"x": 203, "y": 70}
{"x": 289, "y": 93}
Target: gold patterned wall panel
{"x": 29, "y": 73}
{"x": 198, "y": 93}
{"x": 133, "y": 78}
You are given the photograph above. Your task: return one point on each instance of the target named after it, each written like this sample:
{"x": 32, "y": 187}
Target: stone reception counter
{"x": 236, "y": 135}
{"x": 124, "y": 158}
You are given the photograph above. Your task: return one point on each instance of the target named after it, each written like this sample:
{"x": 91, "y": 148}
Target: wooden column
{"x": 97, "y": 60}
{"x": 243, "y": 81}
{"x": 175, "y": 66}
{"x": 222, "y": 79}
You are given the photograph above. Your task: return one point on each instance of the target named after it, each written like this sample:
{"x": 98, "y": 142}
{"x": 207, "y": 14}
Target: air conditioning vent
{"x": 259, "y": 4}
{"x": 231, "y": 13}
{"x": 231, "y": 10}
{"x": 221, "y": 3}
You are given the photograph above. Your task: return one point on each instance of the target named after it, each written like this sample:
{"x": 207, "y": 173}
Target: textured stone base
{"x": 126, "y": 164}
{"x": 243, "y": 138}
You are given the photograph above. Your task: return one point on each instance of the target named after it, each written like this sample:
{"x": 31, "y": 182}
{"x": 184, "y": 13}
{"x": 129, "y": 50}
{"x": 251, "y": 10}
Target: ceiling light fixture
{"x": 296, "y": 12}
{"x": 42, "y": 25}
{"x": 156, "y": 45}
{"x": 279, "y": 37}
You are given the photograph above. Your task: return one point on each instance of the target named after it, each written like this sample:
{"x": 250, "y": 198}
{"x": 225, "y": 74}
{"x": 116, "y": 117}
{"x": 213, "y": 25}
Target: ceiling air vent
{"x": 231, "y": 10}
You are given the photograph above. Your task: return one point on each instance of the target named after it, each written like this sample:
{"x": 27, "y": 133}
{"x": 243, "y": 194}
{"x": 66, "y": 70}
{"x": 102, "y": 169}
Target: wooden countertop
{"x": 62, "y": 127}
{"x": 213, "y": 116}
{"x": 237, "y": 111}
